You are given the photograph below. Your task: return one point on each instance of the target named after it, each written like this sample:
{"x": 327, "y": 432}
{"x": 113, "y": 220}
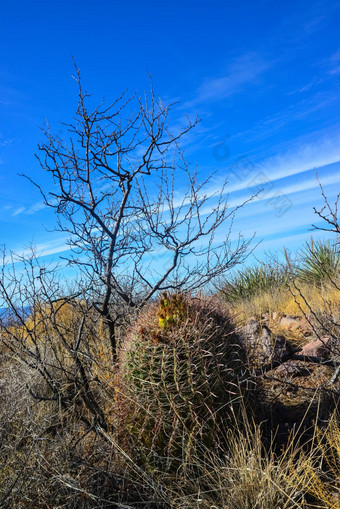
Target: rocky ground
{"x": 298, "y": 370}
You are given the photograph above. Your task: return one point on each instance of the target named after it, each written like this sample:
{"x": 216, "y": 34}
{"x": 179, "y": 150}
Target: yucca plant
{"x": 253, "y": 280}
{"x": 320, "y": 262}
{"x": 181, "y": 373}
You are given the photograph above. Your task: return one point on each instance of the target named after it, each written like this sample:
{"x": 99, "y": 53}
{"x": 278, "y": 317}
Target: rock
{"x": 291, "y": 369}
{"x": 262, "y": 346}
{"x": 305, "y": 328}
{"x": 275, "y": 315}
{"x": 319, "y": 348}
{"x": 290, "y": 321}
{"x": 293, "y": 323}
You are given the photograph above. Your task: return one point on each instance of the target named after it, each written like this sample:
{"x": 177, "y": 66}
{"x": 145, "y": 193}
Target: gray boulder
{"x": 264, "y": 348}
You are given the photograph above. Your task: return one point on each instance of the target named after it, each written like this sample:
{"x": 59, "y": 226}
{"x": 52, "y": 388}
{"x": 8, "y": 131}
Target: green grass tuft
{"x": 252, "y": 281}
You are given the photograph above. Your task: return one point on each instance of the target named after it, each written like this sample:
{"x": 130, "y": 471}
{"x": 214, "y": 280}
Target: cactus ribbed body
{"x": 179, "y": 378}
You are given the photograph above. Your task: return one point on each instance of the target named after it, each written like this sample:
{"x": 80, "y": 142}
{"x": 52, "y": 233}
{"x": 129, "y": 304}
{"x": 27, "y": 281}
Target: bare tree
{"x": 138, "y": 218}
{"x": 325, "y": 324}
{"x": 139, "y": 222}
{"x": 328, "y": 213}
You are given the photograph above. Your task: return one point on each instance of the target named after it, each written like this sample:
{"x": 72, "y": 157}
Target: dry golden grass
{"x": 294, "y": 301}
{"x": 321, "y": 477}
{"x": 245, "y": 476}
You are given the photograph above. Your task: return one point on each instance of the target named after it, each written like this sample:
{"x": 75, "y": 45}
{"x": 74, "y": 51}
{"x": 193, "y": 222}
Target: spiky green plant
{"x": 320, "y": 262}
{"x": 177, "y": 384}
{"x": 254, "y": 280}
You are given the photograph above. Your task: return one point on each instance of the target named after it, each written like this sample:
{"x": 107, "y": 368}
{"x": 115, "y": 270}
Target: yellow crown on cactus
{"x": 171, "y": 310}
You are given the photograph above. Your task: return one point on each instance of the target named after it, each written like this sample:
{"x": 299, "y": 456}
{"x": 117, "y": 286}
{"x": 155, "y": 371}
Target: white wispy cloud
{"x": 318, "y": 154}
{"x": 36, "y": 207}
{"x": 270, "y": 172}
{"x": 23, "y": 209}
{"x": 311, "y": 184}
{"x": 280, "y": 199}
{"x": 37, "y": 251}
{"x": 5, "y": 142}
{"x": 47, "y": 248}
{"x": 290, "y": 241}
{"x": 241, "y": 72}
{"x": 18, "y": 211}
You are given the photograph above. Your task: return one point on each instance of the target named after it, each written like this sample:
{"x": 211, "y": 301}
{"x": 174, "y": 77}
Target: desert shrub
{"x": 254, "y": 280}
{"x": 319, "y": 262}
{"x": 181, "y": 377}
{"x": 48, "y": 460}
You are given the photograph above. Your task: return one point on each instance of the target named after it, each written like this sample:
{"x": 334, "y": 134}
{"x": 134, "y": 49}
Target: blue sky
{"x": 264, "y": 77}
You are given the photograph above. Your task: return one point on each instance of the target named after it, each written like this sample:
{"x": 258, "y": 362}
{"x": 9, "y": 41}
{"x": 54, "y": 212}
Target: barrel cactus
{"x": 181, "y": 369}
